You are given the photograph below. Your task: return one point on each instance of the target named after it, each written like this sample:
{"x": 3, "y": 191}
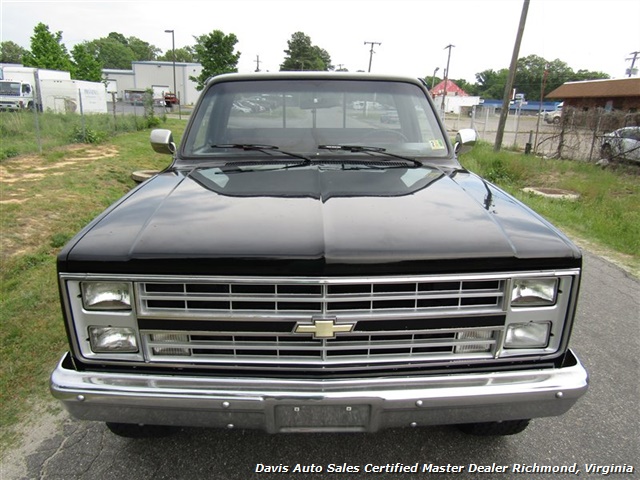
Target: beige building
{"x": 157, "y": 76}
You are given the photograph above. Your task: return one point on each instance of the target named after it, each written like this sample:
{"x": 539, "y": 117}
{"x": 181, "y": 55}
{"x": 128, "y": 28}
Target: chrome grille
{"x": 203, "y": 299}
{"x": 288, "y": 350}
{"x": 252, "y": 321}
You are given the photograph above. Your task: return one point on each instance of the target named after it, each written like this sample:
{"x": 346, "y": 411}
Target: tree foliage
{"x": 111, "y": 53}
{"x": 490, "y": 83}
{"x": 85, "y": 66}
{"x": 47, "y": 50}
{"x": 142, "y": 51}
{"x": 531, "y": 72}
{"x": 303, "y": 55}
{"x": 117, "y": 51}
{"x": 215, "y": 52}
{"x": 184, "y": 54}
{"x": 11, "y": 52}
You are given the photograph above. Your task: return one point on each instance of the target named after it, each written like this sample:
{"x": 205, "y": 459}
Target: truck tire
{"x": 132, "y": 430}
{"x": 486, "y": 429}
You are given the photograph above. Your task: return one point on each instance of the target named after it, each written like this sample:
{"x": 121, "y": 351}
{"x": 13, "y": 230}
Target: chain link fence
{"x": 577, "y": 136}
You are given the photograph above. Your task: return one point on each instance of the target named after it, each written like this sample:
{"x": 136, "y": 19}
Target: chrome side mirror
{"x": 162, "y": 141}
{"x": 466, "y": 138}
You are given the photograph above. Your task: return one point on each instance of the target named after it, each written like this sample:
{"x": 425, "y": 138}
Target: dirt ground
{"x": 18, "y": 176}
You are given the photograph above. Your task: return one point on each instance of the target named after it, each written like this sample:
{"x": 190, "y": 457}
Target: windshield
{"x": 301, "y": 116}
{"x": 10, "y": 88}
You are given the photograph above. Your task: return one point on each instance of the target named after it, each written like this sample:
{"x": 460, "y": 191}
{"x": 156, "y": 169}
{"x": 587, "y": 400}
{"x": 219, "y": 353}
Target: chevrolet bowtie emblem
{"x": 324, "y": 328}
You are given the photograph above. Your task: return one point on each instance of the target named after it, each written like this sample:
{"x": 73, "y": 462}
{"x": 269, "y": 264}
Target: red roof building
{"x": 452, "y": 90}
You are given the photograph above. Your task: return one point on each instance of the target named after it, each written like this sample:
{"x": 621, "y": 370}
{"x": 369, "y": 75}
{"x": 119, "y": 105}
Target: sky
{"x": 411, "y": 35}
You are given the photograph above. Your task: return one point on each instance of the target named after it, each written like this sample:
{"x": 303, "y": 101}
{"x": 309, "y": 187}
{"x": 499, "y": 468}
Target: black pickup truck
{"x": 309, "y": 265}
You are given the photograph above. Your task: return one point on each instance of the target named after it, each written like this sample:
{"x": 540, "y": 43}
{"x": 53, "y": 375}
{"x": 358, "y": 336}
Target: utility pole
{"x": 173, "y": 54}
{"x": 371, "y": 52}
{"x": 542, "y": 87}
{"x": 512, "y": 75}
{"x": 433, "y": 79}
{"x": 633, "y": 62}
{"x": 257, "y": 62}
{"x": 446, "y": 76}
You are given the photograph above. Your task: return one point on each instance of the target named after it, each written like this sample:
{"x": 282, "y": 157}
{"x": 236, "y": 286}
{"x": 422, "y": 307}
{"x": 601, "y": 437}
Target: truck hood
{"x": 315, "y": 220}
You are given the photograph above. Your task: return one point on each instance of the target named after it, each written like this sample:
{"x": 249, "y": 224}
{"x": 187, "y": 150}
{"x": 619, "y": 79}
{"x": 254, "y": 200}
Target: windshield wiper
{"x": 370, "y": 150}
{"x": 260, "y": 148}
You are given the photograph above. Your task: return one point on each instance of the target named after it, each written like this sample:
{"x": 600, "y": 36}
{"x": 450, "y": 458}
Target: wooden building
{"x": 621, "y": 94}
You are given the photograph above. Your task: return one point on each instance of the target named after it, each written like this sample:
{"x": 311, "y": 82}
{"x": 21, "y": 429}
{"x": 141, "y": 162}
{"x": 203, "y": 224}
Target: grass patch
{"x": 46, "y": 199}
{"x": 23, "y": 133}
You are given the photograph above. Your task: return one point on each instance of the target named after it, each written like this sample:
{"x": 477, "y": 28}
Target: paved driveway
{"x": 602, "y": 429}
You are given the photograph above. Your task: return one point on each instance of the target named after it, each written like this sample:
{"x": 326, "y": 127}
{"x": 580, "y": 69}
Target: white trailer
{"x": 92, "y": 96}
{"x": 19, "y": 85}
{"x": 49, "y": 90}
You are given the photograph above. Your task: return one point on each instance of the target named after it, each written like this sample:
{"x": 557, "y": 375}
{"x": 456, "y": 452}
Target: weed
{"x": 9, "y": 153}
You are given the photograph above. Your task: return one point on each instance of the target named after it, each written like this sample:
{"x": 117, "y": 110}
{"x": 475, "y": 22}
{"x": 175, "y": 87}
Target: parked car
{"x": 308, "y": 271}
{"x": 240, "y": 108}
{"x": 621, "y": 144}
{"x": 554, "y": 116}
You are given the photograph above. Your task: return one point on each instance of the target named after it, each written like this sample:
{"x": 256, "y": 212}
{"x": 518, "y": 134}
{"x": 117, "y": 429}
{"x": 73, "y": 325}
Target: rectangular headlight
{"x": 113, "y": 339}
{"x": 106, "y": 295}
{"x": 527, "y": 335}
{"x": 534, "y": 292}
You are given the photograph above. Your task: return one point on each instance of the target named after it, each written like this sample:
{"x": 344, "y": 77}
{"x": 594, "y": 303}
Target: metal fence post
{"x": 82, "y": 119}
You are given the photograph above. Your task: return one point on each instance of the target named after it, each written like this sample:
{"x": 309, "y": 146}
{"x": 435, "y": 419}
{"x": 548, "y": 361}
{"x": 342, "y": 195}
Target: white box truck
{"x": 49, "y": 90}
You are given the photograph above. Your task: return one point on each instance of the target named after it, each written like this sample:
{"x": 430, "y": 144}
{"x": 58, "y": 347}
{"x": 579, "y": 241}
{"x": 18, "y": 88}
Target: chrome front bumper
{"x": 282, "y": 405}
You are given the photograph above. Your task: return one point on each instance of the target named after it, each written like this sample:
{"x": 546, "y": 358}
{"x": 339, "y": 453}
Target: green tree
{"x": 184, "y": 54}
{"x": 490, "y": 84}
{"x": 142, "y": 51}
{"x": 583, "y": 75}
{"x": 11, "y": 52}
{"x": 111, "y": 53}
{"x": 118, "y": 37}
{"x": 117, "y": 51}
{"x": 215, "y": 52}
{"x": 47, "y": 50}
{"x": 325, "y": 57}
{"x": 85, "y": 66}
{"x": 303, "y": 55}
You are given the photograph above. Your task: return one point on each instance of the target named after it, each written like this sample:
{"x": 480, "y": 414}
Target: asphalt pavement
{"x": 602, "y": 430}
